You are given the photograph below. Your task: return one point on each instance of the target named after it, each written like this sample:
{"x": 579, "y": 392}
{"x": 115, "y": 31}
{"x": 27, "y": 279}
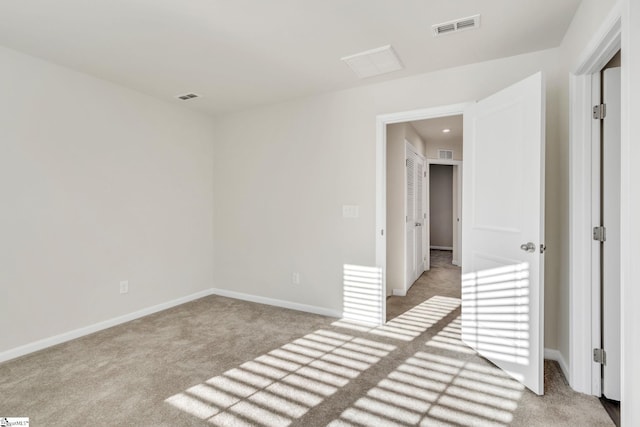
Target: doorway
{"x": 506, "y": 124}
{"x": 412, "y": 148}
{"x": 445, "y": 204}
{"x": 587, "y": 333}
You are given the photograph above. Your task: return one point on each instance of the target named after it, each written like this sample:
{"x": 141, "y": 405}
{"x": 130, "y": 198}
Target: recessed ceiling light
{"x": 374, "y": 62}
{"x": 446, "y": 130}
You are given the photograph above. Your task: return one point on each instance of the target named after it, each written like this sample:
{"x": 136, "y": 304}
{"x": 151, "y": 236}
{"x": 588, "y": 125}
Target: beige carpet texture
{"x": 223, "y": 362}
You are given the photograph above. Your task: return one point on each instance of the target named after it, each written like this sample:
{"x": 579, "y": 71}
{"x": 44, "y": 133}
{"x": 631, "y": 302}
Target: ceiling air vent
{"x": 374, "y": 62}
{"x": 456, "y": 25}
{"x": 445, "y": 154}
{"x": 188, "y": 96}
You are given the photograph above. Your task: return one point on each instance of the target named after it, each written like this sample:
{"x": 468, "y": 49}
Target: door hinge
{"x": 543, "y": 248}
{"x": 599, "y": 111}
{"x": 406, "y": 162}
{"x": 425, "y": 174}
{"x": 600, "y": 234}
{"x": 600, "y": 356}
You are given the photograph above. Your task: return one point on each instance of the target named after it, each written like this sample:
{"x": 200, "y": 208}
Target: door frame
{"x": 584, "y": 375}
{"x": 382, "y": 121}
{"x": 457, "y": 171}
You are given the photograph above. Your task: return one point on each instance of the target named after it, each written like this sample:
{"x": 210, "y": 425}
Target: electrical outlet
{"x": 295, "y": 278}
{"x": 124, "y": 286}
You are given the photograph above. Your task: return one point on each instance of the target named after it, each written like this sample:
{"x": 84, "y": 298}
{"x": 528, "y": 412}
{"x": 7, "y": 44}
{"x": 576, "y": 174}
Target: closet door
{"x": 415, "y": 204}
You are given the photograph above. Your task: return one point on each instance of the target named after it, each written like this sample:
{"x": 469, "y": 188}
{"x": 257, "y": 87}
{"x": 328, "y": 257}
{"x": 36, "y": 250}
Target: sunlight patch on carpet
{"x": 276, "y": 388}
{"x": 410, "y": 324}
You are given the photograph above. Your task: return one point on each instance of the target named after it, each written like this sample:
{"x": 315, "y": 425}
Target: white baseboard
{"x": 442, "y": 248}
{"x": 400, "y": 292}
{"x": 277, "y": 302}
{"x": 80, "y": 332}
{"x": 552, "y": 354}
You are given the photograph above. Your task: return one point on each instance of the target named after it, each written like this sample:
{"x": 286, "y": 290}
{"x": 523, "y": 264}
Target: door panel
{"x": 503, "y": 188}
{"x": 415, "y": 215}
{"x": 419, "y": 218}
{"x": 410, "y": 227}
{"x": 611, "y": 219}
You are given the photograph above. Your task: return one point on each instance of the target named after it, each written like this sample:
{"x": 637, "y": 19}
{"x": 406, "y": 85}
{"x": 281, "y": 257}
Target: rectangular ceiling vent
{"x": 445, "y": 154}
{"x": 374, "y": 62}
{"x": 457, "y": 25}
{"x": 188, "y": 96}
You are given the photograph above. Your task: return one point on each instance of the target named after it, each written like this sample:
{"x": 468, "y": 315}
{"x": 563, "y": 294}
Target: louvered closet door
{"x": 415, "y": 210}
{"x": 420, "y": 210}
{"x": 411, "y": 240}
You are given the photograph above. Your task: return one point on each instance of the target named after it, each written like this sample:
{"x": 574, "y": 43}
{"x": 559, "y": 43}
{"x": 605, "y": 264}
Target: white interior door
{"x": 410, "y": 219}
{"x": 421, "y": 216}
{"x": 611, "y": 219}
{"x": 415, "y": 208}
{"x": 503, "y": 231}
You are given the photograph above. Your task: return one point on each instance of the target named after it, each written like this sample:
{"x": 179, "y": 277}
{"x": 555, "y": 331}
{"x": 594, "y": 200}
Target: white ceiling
{"x": 242, "y": 53}
{"x": 431, "y": 129}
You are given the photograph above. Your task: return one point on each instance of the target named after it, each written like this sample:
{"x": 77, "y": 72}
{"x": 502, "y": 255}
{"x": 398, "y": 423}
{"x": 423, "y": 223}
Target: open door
{"x": 503, "y": 231}
{"x": 611, "y": 155}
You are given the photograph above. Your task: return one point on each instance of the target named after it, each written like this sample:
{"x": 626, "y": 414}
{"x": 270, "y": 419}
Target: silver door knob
{"x": 528, "y": 247}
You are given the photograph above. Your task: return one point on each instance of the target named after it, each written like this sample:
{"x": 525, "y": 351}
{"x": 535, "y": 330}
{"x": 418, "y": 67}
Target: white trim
{"x": 630, "y": 211}
{"x": 432, "y": 161}
{"x": 399, "y": 292}
{"x": 442, "y": 248}
{"x": 381, "y": 211}
{"x": 553, "y": 354}
{"x": 382, "y": 121}
{"x": 80, "y": 332}
{"x": 277, "y": 302}
{"x": 604, "y": 44}
{"x": 584, "y": 293}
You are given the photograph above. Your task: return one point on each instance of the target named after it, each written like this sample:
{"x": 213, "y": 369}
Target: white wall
{"x": 397, "y": 134}
{"x": 99, "y": 184}
{"x": 293, "y": 165}
{"x": 433, "y": 145}
{"x": 441, "y": 205}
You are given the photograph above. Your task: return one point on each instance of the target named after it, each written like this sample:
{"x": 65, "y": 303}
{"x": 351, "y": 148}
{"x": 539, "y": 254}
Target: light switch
{"x": 350, "y": 211}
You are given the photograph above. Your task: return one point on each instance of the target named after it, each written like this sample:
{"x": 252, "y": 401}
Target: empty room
{"x": 309, "y": 213}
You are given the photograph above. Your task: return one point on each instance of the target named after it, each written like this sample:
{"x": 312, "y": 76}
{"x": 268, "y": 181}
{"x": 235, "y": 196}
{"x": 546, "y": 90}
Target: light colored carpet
{"x": 218, "y": 361}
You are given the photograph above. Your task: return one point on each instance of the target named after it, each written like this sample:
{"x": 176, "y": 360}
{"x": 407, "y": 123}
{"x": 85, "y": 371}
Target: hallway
{"x": 443, "y": 279}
